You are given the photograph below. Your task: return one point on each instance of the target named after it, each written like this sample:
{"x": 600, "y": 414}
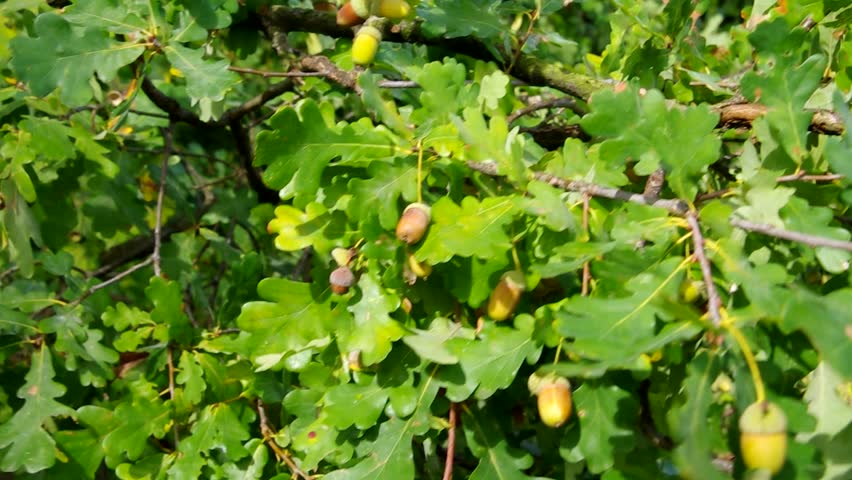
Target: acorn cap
{"x": 362, "y": 8}
{"x": 763, "y": 417}
{"x": 515, "y": 279}
{"x": 371, "y": 31}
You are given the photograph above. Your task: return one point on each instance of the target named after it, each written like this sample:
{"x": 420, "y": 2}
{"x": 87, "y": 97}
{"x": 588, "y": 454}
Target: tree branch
{"x": 810, "y": 240}
{"x": 269, "y": 438}
{"x": 526, "y": 68}
{"x": 246, "y": 155}
{"x": 675, "y": 206}
{"x": 451, "y": 443}
{"x": 161, "y": 193}
{"x": 713, "y": 302}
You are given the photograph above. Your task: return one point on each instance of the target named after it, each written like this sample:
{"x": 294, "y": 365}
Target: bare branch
{"x": 169, "y": 105}
{"x": 713, "y": 302}
{"x": 89, "y": 291}
{"x": 269, "y": 437}
{"x": 246, "y": 156}
{"x": 161, "y": 193}
{"x": 810, "y": 240}
{"x": 268, "y": 74}
{"x": 569, "y": 102}
{"x": 675, "y": 206}
{"x": 451, "y": 443}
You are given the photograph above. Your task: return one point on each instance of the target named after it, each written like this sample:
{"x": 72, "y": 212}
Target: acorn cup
{"x": 763, "y": 437}
{"x": 340, "y": 279}
{"x": 506, "y": 295}
{"x": 414, "y": 222}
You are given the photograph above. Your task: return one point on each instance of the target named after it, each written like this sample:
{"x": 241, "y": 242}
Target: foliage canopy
{"x": 178, "y": 180}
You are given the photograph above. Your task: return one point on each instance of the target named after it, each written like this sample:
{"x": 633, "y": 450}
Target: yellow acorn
{"x": 763, "y": 436}
{"x": 414, "y": 222}
{"x": 366, "y": 45}
{"x": 554, "y": 401}
{"x": 394, "y": 9}
{"x": 422, "y": 270}
{"x": 506, "y": 295}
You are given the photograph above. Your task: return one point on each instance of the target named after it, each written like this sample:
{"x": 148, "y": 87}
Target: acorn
{"x": 422, "y": 270}
{"x": 365, "y": 45}
{"x": 342, "y": 256}
{"x": 341, "y": 279}
{"x": 506, "y": 295}
{"x": 354, "y": 12}
{"x": 414, "y": 222}
{"x": 554, "y": 401}
{"x": 394, "y": 9}
{"x": 763, "y": 436}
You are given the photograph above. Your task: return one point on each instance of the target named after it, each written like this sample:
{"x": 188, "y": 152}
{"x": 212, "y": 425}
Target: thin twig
{"x": 587, "y": 274}
{"x": 569, "y": 102}
{"x": 805, "y": 177}
{"x": 675, "y": 206}
{"x": 269, "y": 438}
{"x": 161, "y": 193}
{"x": 713, "y": 301}
{"x": 89, "y": 291}
{"x": 267, "y": 74}
{"x": 451, "y": 443}
{"x": 794, "y": 236}
{"x": 171, "y": 364}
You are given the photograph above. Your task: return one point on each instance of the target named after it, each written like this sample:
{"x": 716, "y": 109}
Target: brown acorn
{"x": 763, "y": 436}
{"x": 506, "y": 295}
{"x": 413, "y": 223}
{"x": 341, "y": 279}
{"x": 354, "y": 12}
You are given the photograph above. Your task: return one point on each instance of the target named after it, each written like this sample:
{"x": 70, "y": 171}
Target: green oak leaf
{"x": 370, "y": 399}
{"x": 801, "y": 216}
{"x": 302, "y": 143}
{"x": 451, "y": 19}
{"x": 218, "y": 427}
{"x": 493, "y": 142}
{"x": 253, "y": 470}
{"x": 83, "y": 448}
{"x": 472, "y": 229}
{"x": 444, "y": 91}
{"x": 607, "y": 415}
{"x": 548, "y": 206}
{"x": 60, "y": 57}
{"x": 691, "y": 421}
{"x": 604, "y": 326}
{"x": 209, "y": 14}
{"x": 785, "y": 91}
{"x": 496, "y": 458}
{"x": 20, "y": 227}
{"x": 207, "y": 81}
{"x": 492, "y": 89}
{"x": 391, "y": 457}
{"x": 110, "y": 15}
{"x": 315, "y": 226}
{"x": 379, "y": 193}
{"x": 431, "y": 344}
{"x": 167, "y": 298}
{"x": 647, "y": 130}
{"x": 190, "y": 375}
{"x": 27, "y": 445}
{"x": 291, "y": 323}
{"x": 824, "y": 319}
{"x": 126, "y": 431}
{"x": 371, "y": 329}
{"x": 493, "y": 360}
{"x": 833, "y": 414}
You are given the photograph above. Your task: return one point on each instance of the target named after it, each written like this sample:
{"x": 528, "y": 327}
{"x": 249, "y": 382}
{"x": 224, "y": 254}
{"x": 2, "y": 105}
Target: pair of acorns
{"x": 410, "y": 228}
{"x": 368, "y": 37}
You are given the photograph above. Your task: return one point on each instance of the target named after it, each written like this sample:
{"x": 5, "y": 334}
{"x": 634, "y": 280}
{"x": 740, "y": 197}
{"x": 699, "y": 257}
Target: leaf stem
{"x": 420, "y": 171}
{"x": 735, "y": 332}
{"x": 451, "y": 443}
